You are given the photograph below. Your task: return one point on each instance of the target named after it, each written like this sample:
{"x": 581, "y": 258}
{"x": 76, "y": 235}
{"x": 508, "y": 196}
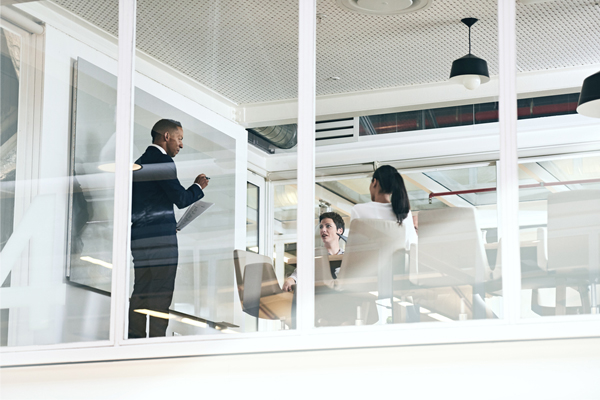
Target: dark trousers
{"x": 155, "y": 267}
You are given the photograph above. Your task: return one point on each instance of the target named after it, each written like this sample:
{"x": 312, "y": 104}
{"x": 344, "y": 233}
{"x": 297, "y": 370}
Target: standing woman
{"x": 389, "y": 201}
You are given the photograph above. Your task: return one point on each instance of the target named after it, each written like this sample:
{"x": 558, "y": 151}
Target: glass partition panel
{"x": 10, "y": 68}
{"x": 209, "y": 277}
{"x": 91, "y": 202}
{"x": 466, "y": 286}
{"x": 56, "y": 199}
{"x": 559, "y": 225}
{"x": 252, "y": 218}
{"x": 403, "y": 86}
{"x": 201, "y": 249}
{"x": 559, "y": 195}
{"x": 284, "y": 226}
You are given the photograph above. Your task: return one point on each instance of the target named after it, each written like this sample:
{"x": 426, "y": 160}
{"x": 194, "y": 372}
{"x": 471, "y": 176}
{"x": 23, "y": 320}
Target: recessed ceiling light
{"x": 190, "y": 321}
{"x": 153, "y": 313}
{"x": 96, "y": 261}
{"x": 384, "y": 7}
{"x": 225, "y": 330}
{"x": 439, "y": 317}
{"x": 110, "y": 167}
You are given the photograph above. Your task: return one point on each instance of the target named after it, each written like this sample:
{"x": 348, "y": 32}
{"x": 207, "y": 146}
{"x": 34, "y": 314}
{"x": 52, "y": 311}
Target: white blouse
{"x": 373, "y": 210}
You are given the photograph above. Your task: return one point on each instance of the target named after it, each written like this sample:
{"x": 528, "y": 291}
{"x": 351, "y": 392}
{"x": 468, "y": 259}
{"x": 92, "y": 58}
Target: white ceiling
{"x": 247, "y": 50}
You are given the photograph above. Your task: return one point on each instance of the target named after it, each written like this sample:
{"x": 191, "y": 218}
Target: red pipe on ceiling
{"x": 534, "y": 185}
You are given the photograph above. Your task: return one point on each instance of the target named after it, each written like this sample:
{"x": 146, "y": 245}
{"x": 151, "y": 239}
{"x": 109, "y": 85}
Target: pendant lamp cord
{"x": 469, "y": 40}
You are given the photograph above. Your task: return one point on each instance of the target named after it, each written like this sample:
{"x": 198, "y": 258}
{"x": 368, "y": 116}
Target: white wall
{"x": 557, "y": 369}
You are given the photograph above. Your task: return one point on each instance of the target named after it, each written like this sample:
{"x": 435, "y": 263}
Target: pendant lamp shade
{"x": 589, "y": 99}
{"x": 471, "y": 71}
{"x": 469, "y": 67}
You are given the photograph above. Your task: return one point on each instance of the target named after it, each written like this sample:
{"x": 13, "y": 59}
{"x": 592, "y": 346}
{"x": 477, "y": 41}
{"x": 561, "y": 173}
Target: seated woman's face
{"x": 328, "y": 231}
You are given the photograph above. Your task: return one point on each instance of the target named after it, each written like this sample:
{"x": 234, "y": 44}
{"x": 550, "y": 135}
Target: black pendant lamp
{"x": 470, "y": 71}
{"x": 589, "y": 99}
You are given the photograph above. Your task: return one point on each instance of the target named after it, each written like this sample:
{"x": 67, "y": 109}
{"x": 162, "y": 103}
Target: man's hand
{"x": 202, "y": 180}
{"x": 287, "y": 285}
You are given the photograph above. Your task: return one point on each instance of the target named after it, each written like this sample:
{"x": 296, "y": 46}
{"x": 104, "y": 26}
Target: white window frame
{"x": 259, "y": 181}
{"x": 305, "y": 337}
{"x": 28, "y": 143}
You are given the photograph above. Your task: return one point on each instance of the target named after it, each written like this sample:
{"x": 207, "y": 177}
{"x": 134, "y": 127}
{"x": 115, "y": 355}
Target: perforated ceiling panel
{"x": 247, "y": 50}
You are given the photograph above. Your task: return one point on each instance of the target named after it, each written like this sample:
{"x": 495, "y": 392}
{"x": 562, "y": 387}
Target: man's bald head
{"x": 162, "y": 126}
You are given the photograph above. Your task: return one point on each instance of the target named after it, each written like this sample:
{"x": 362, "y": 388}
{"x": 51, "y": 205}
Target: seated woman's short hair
{"x": 336, "y": 218}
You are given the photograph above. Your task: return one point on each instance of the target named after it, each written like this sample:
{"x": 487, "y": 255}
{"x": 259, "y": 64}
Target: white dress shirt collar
{"x": 160, "y": 148}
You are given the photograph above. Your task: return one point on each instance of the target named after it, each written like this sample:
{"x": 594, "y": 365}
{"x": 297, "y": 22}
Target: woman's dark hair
{"x": 336, "y": 218}
{"x": 392, "y": 183}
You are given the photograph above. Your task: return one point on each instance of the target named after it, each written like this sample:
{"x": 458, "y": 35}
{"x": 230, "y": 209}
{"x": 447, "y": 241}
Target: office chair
{"x": 332, "y": 307}
{"x": 375, "y": 254}
{"x": 258, "y": 288}
{"x": 451, "y": 253}
{"x": 573, "y": 246}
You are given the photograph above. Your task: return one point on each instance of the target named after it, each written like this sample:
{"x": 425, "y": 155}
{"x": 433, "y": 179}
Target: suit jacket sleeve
{"x": 179, "y": 195}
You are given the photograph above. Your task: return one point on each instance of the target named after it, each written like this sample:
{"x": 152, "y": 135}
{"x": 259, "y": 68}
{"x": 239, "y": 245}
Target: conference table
{"x": 532, "y": 277}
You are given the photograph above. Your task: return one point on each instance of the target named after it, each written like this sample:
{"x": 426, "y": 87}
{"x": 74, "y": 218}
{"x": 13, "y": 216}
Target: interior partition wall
{"x": 58, "y": 250}
{"x": 559, "y": 214}
{"x": 57, "y": 232}
{"x": 389, "y": 273}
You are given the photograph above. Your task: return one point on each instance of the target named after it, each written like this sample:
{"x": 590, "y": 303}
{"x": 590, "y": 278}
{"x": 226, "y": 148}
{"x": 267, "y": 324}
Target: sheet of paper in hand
{"x": 192, "y": 213}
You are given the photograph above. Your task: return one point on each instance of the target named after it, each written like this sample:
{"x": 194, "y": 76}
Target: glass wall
{"x": 417, "y": 244}
{"x": 10, "y": 68}
{"x": 200, "y": 278}
{"x": 57, "y": 200}
{"x": 559, "y": 210}
{"x": 559, "y": 225}
{"x": 253, "y": 216}
{"x": 405, "y": 208}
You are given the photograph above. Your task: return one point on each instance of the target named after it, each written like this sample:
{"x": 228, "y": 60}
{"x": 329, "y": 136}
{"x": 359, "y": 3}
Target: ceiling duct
{"x": 326, "y": 132}
{"x": 281, "y": 136}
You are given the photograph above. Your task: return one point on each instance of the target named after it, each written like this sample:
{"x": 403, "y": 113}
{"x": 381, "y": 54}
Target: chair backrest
{"x": 450, "y": 250}
{"x": 252, "y": 268}
{"x": 323, "y": 276}
{"x": 374, "y": 252}
{"x": 574, "y": 230}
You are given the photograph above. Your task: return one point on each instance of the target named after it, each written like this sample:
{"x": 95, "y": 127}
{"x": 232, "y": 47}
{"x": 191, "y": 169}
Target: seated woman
{"x": 331, "y": 226}
{"x": 389, "y": 201}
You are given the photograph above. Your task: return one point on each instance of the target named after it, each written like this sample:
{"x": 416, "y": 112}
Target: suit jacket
{"x": 154, "y": 192}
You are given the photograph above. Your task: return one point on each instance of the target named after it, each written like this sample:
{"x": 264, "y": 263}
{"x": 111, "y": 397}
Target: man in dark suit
{"x": 153, "y": 227}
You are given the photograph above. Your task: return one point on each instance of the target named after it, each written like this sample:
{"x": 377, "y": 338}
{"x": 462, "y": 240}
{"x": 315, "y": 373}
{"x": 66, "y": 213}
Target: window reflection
{"x": 10, "y": 67}
{"x": 450, "y": 273}
{"x": 203, "y": 292}
{"x": 252, "y": 218}
{"x": 559, "y": 226}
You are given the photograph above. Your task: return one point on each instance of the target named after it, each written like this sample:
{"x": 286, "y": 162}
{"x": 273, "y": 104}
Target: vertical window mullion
{"x": 306, "y": 163}
{"x": 124, "y": 137}
{"x": 508, "y": 182}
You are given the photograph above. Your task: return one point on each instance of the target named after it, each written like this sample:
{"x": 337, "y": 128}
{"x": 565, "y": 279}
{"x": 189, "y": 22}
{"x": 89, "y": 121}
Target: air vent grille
{"x": 336, "y": 131}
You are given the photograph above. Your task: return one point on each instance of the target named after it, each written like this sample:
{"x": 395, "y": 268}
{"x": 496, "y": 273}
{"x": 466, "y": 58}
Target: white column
{"x": 122, "y": 208}
{"x": 305, "y": 309}
{"x": 508, "y": 180}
